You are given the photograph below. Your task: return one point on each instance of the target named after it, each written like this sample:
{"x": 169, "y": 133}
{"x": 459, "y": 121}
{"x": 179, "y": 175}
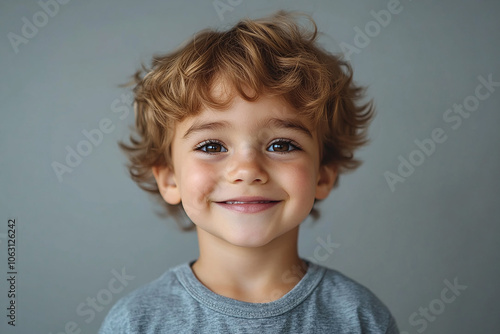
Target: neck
{"x": 252, "y": 274}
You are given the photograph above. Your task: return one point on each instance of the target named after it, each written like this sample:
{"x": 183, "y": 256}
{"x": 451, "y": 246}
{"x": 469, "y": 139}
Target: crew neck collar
{"x": 242, "y": 309}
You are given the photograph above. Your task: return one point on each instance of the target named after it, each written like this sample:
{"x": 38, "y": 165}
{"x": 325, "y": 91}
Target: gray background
{"x": 440, "y": 224}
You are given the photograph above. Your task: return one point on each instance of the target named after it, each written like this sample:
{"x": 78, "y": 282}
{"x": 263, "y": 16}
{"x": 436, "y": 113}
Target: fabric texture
{"x": 323, "y": 301}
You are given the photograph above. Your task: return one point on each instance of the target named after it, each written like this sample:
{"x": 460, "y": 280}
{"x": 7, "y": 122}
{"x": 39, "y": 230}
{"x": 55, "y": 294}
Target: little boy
{"x": 244, "y": 130}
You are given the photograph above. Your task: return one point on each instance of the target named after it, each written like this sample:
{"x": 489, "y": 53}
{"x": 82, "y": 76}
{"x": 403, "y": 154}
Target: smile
{"x": 248, "y": 206}
{"x": 255, "y": 202}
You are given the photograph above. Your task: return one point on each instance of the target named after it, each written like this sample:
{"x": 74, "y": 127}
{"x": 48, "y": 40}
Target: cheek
{"x": 198, "y": 183}
{"x": 300, "y": 180}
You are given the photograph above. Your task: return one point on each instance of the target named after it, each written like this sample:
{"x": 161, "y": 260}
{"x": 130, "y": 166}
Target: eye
{"x": 211, "y": 146}
{"x": 282, "y": 146}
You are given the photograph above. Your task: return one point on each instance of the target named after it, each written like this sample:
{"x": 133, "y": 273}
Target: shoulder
{"x": 139, "y": 307}
{"x": 355, "y": 303}
{"x": 347, "y": 288}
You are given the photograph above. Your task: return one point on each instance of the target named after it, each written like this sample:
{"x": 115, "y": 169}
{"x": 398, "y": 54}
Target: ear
{"x": 326, "y": 180}
{"x": 165, "y": 179}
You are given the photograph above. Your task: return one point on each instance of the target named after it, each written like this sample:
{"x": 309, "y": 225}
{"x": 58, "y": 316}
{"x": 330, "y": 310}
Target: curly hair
{"x": 274, "y": 55}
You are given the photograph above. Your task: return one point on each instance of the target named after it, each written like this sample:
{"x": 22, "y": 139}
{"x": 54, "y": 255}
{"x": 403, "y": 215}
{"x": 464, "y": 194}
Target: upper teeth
{"x": 237, "y": 202}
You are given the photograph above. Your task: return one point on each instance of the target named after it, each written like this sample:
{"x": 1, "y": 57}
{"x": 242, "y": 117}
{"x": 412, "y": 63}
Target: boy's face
{"x": 247, "y": 175}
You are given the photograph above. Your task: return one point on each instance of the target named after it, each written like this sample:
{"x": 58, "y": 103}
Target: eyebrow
{"x": 197, "y": 127}
{"x": 271, "y": 122}
{"x": 293, "y": 124}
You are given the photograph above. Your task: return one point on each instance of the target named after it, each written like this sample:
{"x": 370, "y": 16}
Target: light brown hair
{"x": 274, "y": 55}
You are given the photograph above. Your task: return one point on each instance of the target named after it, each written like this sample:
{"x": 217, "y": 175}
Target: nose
{"x": 246, "y": 167}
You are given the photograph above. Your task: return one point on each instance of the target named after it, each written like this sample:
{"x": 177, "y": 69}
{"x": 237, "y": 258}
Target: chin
{"x": 249, "y": 243}
{"x": 253, "y": 239}
{"x": 249, "y": 240}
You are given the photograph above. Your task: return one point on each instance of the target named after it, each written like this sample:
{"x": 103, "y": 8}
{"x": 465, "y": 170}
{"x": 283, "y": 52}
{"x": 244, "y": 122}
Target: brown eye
{"x": 282, "y": 146}
{"x": 211, "y": 147}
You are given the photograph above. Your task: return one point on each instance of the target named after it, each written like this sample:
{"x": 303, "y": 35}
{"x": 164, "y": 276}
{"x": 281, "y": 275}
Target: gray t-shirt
{"x": 324, "y": 301}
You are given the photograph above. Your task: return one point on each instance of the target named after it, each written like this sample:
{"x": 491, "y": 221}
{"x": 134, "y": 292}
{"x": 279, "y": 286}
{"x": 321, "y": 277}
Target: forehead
{"x": 232, "y": 111}
{"x": 267, "y": 112}
{"x": 265, "y": 104}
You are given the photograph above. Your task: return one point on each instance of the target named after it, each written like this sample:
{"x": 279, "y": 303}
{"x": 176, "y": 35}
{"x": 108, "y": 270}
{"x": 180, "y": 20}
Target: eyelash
{"x": 289, "y": 142}
{"x": 205, "y": 143}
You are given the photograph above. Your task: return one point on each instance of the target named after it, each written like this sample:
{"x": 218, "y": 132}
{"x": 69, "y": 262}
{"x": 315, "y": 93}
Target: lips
{"x": 252, "y": 202}
{"x": 248, "y": 204}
